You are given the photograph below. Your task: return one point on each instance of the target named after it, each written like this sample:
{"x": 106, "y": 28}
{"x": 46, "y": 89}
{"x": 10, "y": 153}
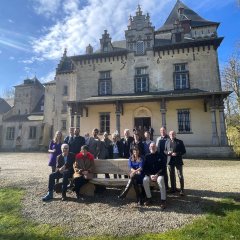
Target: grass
{"x": 222, "y": 221}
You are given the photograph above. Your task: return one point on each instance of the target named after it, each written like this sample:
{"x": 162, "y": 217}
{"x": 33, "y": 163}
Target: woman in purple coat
{"x": 55, "y": 149}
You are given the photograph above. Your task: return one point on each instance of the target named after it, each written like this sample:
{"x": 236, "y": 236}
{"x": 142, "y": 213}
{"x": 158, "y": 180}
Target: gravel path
{"x": 104, "y": 214}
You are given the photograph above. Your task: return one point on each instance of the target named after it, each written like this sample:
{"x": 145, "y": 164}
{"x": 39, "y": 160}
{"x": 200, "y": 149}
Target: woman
{"x": 55, "y": 150}
{"x": 137, "y": 143}
{"x": 116, "y": 150}
{"x": 135, "y": 164}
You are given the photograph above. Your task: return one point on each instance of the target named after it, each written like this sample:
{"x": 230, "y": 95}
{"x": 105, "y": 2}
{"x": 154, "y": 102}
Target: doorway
{"x": 144, "y": 122}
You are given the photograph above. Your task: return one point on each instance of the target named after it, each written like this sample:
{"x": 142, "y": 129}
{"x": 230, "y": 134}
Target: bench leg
{"x": 88, "y": 189}
{"x": 131, "y": 194}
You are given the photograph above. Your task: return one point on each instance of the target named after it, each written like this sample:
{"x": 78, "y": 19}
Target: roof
{"x": 65, "y": 65}
{"x": 196, "y": 20}
{"x": 38, "y": 108}
{"x": 4, "y": 106}
{"x": 29, "y": 81}
{"x": 50, "y": 83}
{"x": 24, "y": 118}
{"x": 151, "y": 96}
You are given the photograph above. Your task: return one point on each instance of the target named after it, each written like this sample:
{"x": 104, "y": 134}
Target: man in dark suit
{"x": 126, "y": 143}
{"x": 174, "y": 149}
{"x": 64, "y": 170}
{"x": 78, "y": 141}
{"x": 160, "y": 143}
{"x": 70, "y": 138}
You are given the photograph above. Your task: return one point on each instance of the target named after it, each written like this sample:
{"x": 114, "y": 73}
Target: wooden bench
{"x": 113, "y": 166}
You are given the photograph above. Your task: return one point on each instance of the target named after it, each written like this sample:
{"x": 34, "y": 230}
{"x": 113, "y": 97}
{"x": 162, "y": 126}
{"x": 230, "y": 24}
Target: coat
{"x": 68, "y": 164}
{"x": 83, "y": 163}
{"x": 178, "y": 148}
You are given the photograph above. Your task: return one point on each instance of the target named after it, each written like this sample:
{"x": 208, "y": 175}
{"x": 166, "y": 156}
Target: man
{"x": 64, "y": 170}
{"x": 83, "y": 169}
{"x": 147, "y": 142}
{"x": 78, "y": 141}
{"x": 70, "y": 138}
{"x": 174, "y": 149}
{"x": 161, "y": 141}
{"x": 94, "y": 143}
{"x": 154, "y": 169}
{"x": 126, "y": 142}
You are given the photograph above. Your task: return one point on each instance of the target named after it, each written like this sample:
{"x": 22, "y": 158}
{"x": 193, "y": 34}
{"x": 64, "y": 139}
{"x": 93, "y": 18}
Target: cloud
{"x": 46, "y": 7}
{"x": 14, "y": 44}
{"x": 84, "y": 24}
{"x": 10, "y": 20}
{"x": 49, "y": 77}
{"x": 12, "y": 58}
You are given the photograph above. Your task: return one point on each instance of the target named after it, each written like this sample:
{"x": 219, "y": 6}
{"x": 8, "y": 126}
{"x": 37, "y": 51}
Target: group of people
{"x": 148, "y": 161}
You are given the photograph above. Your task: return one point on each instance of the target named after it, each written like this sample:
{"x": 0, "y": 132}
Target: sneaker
{"x": 48, "y": 197}
{"x": 148, "y": 202}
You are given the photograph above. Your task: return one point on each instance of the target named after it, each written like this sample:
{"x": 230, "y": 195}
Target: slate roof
{"x": 196, "y": 20}
{"x": 65, "y": 65}
{"x": 4, "y": 106}
{"x": 151, "y": 96}
{"x": 24, "y": 118}
{"x": 40, "y": 103}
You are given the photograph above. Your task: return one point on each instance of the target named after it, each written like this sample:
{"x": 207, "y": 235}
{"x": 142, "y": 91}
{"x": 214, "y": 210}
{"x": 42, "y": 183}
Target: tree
{"x": 231, "y": 82}
{"x": 7, "y": 93}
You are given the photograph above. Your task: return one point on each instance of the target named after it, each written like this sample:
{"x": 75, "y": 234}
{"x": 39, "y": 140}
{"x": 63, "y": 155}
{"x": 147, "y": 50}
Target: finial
{"x": 139, "y": 11}
{"x": 65, "y": 52}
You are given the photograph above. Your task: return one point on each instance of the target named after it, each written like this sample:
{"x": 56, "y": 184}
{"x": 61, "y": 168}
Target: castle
{"x": 167, "y": 76}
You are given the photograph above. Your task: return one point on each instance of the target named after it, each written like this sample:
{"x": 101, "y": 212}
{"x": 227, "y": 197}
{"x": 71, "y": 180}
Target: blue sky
{"x": 34, "y": 33}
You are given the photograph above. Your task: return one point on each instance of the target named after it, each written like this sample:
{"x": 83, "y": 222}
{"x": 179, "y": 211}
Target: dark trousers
{"x": 173, "y": 177}
{"x": 166, "y": 179}
{"x": 56, "y": 175}
{"x": 79, "y": 182}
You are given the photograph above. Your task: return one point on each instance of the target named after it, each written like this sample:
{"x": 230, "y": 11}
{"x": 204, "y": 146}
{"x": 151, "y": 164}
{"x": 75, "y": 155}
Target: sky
{"x": 34, "y": 33}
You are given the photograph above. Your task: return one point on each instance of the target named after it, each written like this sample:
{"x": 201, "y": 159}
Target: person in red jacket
{"x": 83, "y": 169}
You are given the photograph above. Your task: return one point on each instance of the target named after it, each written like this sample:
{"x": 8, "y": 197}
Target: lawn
{"x": 222, "y": 221}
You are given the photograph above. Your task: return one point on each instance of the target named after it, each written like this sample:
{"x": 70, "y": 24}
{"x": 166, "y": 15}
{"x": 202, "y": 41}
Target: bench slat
{"x": 109, "y": 182}
{"x": 113, "y": 166}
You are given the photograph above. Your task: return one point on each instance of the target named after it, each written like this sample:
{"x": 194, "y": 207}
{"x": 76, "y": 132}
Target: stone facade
{"x": 165, "y": 77}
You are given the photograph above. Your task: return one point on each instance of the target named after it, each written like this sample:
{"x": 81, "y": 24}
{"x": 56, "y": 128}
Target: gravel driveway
{"x": 104, "y": 214}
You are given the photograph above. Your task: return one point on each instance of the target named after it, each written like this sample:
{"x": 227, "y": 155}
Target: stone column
{"x": 223, "y": 137}
{"x": 215, "y": 139}
{"x": 163, "y": 113}
{"x": 118, "y": 114}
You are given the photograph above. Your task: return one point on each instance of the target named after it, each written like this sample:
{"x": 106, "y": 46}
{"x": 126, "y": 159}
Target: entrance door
{"x": 143, "y": 122}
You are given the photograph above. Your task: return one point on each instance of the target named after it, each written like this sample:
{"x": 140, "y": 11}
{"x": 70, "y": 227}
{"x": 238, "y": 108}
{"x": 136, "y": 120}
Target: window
{"x": 64, "y": 124}
{"x": 105, "y": 83}
{"x": 140, "y": 47}
{"x": 181, "y": 76}
{"x": 64, "y": 107}
{"x": 184, "y": 123}
{"x": 10, "y": 133}
{"x": 32, "y": 132}
{"x": 141, "y": 80}
{"x": 78, "y": 122}
{"x": 104, "y": 122}
{"x": 65, "y": 90}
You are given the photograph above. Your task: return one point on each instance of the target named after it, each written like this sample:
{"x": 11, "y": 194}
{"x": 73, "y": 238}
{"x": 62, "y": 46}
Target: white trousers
{"x": 161, "y": 184}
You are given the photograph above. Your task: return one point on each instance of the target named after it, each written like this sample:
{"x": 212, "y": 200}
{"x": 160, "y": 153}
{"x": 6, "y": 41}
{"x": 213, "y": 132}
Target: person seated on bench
{"x": 83, "y": 169}
{"x": 64, "y": 170}
{"x": 135, "y": 163}
{"x": 154, "y": 169}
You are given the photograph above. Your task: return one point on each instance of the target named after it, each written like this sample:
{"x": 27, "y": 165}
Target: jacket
{"x": 83, "y": 163}
{"x": 178, "y": 148}
{"x": 68, "y": 164}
